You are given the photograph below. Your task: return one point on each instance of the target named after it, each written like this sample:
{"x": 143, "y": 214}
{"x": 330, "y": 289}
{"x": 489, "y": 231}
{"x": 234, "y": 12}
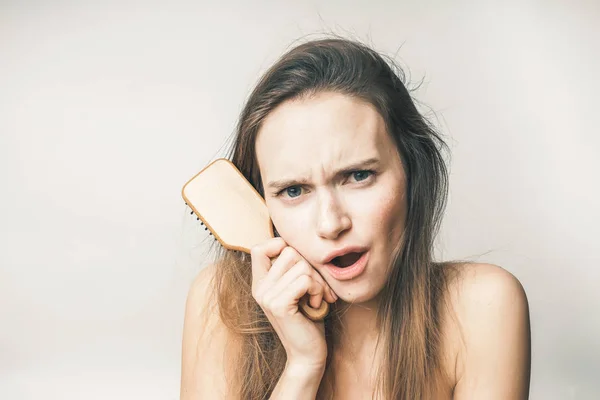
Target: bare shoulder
{"x": 480, "y": 284}
{"x": 489, "y": 334}
{"x": 204, "y": 360}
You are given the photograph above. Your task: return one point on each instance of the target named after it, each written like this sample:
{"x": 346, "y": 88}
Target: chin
{"x": 357, "y": 297}
{"x": 363, "y": 290}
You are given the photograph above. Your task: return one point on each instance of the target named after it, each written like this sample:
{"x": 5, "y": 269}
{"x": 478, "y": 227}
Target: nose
{"x": 332, "y": 219}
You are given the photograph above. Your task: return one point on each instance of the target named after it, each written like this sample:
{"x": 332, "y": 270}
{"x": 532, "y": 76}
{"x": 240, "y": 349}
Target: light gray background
{"x": 107, "y": 108}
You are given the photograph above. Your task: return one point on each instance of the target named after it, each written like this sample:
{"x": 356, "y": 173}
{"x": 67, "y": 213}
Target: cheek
{"x": 289, "y": 225}
{"x": 389, "y": 215}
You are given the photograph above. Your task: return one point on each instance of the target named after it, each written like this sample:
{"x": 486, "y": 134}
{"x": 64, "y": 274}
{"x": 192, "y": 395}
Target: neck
{"x": 357, "y": 330}
{"x": 354, "y": 358}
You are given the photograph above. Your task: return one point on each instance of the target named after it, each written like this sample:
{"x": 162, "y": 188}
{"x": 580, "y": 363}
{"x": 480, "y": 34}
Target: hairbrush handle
{"x": 314, "y": 314}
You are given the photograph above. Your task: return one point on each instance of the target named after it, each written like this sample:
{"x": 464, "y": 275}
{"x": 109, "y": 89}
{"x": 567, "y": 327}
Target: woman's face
{"x": 323, "y": 193}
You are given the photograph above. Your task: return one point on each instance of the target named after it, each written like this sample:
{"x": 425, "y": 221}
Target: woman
{"x": 355, "y": 182}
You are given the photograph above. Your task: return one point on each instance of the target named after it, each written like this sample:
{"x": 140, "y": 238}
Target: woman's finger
{"x": 261, "y": 255}
{"x": 286, "y": 303}
{"x": 298, "y": 269}
{"x": 329, "y": 294}
{"x": 281, "y": 265}
{"x": 304, "y": 268}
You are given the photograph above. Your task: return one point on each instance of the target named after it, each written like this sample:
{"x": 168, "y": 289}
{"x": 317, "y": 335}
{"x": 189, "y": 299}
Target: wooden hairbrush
{"x": 236, "y": 214}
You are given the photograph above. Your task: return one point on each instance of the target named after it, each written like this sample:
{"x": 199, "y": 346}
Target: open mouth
{"x": 346, "y": 260}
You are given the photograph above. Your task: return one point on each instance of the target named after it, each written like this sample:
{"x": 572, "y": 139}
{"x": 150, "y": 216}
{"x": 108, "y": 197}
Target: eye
{"x": 362, "y": 175}
{"x": 291, "y": 191}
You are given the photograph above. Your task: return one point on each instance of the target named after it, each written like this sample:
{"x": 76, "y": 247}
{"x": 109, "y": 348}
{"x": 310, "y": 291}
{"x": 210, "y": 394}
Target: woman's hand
{"x": 277, "y": 288}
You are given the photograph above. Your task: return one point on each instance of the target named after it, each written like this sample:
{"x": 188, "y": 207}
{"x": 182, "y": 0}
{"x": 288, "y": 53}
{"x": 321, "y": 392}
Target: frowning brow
{"x": 281, "y": 184}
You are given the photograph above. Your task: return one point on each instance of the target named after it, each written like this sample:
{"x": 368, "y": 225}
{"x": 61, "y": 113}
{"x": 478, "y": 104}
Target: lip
{"x": 342, "y": 251}
{"x": 350, "y": 272}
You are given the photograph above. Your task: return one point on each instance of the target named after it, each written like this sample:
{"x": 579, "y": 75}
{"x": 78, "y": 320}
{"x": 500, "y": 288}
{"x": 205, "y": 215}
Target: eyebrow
{"x": 281, "y": 184}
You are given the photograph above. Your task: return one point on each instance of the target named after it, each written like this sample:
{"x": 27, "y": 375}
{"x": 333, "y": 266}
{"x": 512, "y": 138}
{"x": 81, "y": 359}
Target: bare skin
{"x": 486, "y": 348}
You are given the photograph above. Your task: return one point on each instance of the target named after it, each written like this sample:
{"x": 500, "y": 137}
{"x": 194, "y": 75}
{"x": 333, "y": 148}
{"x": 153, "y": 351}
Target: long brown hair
{"x": 410, "y": 310}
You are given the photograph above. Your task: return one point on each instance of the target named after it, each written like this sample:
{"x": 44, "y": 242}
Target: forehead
{"x": 318, "y": 133}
